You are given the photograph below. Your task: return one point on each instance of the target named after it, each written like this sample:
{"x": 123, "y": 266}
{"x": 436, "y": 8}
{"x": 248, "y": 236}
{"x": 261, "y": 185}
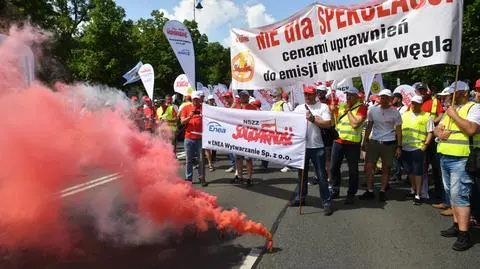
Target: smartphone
{"x": 306, "y": 107}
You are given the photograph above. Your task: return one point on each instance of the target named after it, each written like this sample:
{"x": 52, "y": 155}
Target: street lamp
{"x": 197, "y": 6}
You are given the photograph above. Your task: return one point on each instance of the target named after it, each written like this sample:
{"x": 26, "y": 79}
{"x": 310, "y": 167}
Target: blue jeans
{"x": 231, "y": 157}
{"x": 352, "y": 153}
{"x": 456, "y": 181}
{"x": 317, "y": 156}
{"x": 193, "y": 148}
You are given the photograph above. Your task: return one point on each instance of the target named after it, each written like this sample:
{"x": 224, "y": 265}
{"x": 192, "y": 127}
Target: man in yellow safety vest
{"x": 454, "y": 131}
{"x": 417, "y": 133}
{"x": 349, "y": 120}
{"x": 167, "y": 115}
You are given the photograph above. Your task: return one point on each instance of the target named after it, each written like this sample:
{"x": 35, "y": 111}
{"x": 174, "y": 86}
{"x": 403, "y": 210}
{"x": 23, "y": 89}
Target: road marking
{"x": 250, "y": 259}
{"x": 181, "y": 155}
{"x": 90, "y": 184}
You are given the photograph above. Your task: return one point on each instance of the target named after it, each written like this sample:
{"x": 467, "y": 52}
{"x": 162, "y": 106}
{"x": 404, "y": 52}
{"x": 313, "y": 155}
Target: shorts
{"x": 385, "y": 152}
{"x": 413, "y": 162}
{"x": 456, "y": 181}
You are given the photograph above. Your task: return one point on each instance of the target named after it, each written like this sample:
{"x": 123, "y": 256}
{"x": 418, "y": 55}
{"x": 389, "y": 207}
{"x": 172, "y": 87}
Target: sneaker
{"x": 327, "y": 211}
{"x": 417, "y": 201}
{"x": 447, "y": 212}
{"x": 235, "y": 179}
{"x": 296, "y": 203}
{"x": 285, "y": 169}
{"x": 367, "y": 195}
{"x": 411, "y": 195}
{"x": 249, "y": 182}
{"x": 440, "y": 206}
{"x": 382, "y": 196}
{"x": 463, "y": 242}
{"x": 350, "y": 199}
{"x": 450, "y": 232}
{"x": 230, "y": 170}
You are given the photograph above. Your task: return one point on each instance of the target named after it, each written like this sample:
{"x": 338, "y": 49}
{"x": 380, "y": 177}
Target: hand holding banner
{"x": 148, "y": 78}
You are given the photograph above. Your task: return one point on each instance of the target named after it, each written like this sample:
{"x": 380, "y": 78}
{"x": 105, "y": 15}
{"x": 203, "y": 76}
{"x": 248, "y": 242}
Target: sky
{"x": 219, "y": 16}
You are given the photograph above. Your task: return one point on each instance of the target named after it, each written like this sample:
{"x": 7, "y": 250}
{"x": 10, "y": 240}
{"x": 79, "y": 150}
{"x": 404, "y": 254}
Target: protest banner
{"x": 182, "y": 86}
{"x": 372, "y": 84}
{"x": 147, "y": 76}
{"x": 218, "y": 91}
{"x": 407, "y": 93}
{"x": 321, "y": 43}
{"x": 271, "y": 136}
{"x": 181, "y": 42}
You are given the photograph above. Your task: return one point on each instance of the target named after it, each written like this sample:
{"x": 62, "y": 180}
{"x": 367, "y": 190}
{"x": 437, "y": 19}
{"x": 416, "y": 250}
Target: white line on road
{"x": 88, "y": 185}
{"x": 250, "y": 259}
{"x": 181, "y": 155}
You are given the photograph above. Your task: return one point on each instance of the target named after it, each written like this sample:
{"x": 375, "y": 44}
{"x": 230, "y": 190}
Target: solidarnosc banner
{"x": 321, "y": 43}
{"x": 272, "y": 136}
{"x": 147, "y": 76}
{"x": 181, "y": 42}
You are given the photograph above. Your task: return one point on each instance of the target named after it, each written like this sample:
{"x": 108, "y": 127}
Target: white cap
{"x": 351, "y": 90}
{"x": 201, "y": 93}
{"x": 461, "y": 86}
{"x": 251, "y": 100}
{"x": 322, "y": 88}
{"x": 446, "y": 91}
{"x": 195, "y": 94}
{"x": 417, "y": 99}
{"x": 386, "y": 92}
{"x": 210, "y": 97}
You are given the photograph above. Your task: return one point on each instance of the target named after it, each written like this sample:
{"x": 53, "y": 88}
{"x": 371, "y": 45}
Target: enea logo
{"x": 215, "y": 127}
{"x": 243, "y": 67}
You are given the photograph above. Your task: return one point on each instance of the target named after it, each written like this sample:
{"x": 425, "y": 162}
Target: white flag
{"x": 181, "y": 42}
{"x": 148, "y": 78}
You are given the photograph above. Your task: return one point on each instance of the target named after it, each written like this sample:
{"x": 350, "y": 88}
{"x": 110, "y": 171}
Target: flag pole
{"x": 454, "y": 94}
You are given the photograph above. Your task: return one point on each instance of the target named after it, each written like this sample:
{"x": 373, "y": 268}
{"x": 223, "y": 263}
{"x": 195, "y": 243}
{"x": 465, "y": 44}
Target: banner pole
{"x": 301, "y": 190}
{"x": 454, "y": 93}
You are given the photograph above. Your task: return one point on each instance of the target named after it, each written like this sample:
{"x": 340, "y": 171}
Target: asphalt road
{"x": 364, "y": 235}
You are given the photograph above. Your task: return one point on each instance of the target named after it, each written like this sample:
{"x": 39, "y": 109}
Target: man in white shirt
{"x": 318, "y": 116}
{"x": 385, "y": 128}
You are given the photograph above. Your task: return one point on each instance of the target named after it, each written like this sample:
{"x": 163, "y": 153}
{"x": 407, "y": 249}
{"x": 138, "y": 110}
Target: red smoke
{"x": 47, "y": 138}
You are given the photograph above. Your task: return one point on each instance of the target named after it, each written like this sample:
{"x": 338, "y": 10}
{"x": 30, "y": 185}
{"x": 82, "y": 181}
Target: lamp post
{"x": 196, "y": 6}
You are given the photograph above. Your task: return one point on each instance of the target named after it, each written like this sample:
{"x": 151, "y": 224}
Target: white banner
{"x": 271, "y": 136}
{"x": 148, "y": 78}
{"x": 218, "y": 91}
{"x": 181, "y": 42}
{"x": 321, "y": 43}
{"x": 132, "y": 75}
{"x": 182, "y": 86}
{"x": 407, "y": 93}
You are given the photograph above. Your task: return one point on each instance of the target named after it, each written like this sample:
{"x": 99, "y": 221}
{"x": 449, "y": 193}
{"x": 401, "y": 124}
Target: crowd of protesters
{"x": 434, "y": 135}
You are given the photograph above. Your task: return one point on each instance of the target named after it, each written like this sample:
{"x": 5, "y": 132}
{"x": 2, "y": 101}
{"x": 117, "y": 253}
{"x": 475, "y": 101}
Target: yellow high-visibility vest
{"x": 169, "y": 116}
{"x": 345, "y": 130}
{"x": 457, "y": 143}
{"x": 278, "y": 106}
{"x": 414, "y": 131}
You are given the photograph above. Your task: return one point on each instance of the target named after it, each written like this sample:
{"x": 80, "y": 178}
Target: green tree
{"x": 106, "y": 46}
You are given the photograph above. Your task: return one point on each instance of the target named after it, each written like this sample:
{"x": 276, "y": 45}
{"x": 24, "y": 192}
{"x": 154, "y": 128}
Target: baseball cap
{"x": 285, "y": 95}
{"x": 201, "y": 93}
{"x": 419, "y": 85}
{"x": 322, "y": 88}
{"x": 351, "y": 90}
{"x": 477, "y": 83}
{"x": 210, "y": 97}
{"x": 244, "y": 92}
{"x": 417, "y": 99}
{"x": 385, "y": 92}
{"x": 251, "y": 100}
{"x": 446, "y": 91}
{"x": 227, "y": 94}
{"x": 461, "y": 86}
{"x": 309, "y": 90}
{"x": 195, "y": 94}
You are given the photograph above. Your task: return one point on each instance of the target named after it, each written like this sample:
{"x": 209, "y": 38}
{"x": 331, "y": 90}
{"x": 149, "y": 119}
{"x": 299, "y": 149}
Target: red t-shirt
{"x": 193, "y": 129}
{"x": 362, "y": 111}
{"x": 427, "y": 106}
{"x": 245, "y": 107}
